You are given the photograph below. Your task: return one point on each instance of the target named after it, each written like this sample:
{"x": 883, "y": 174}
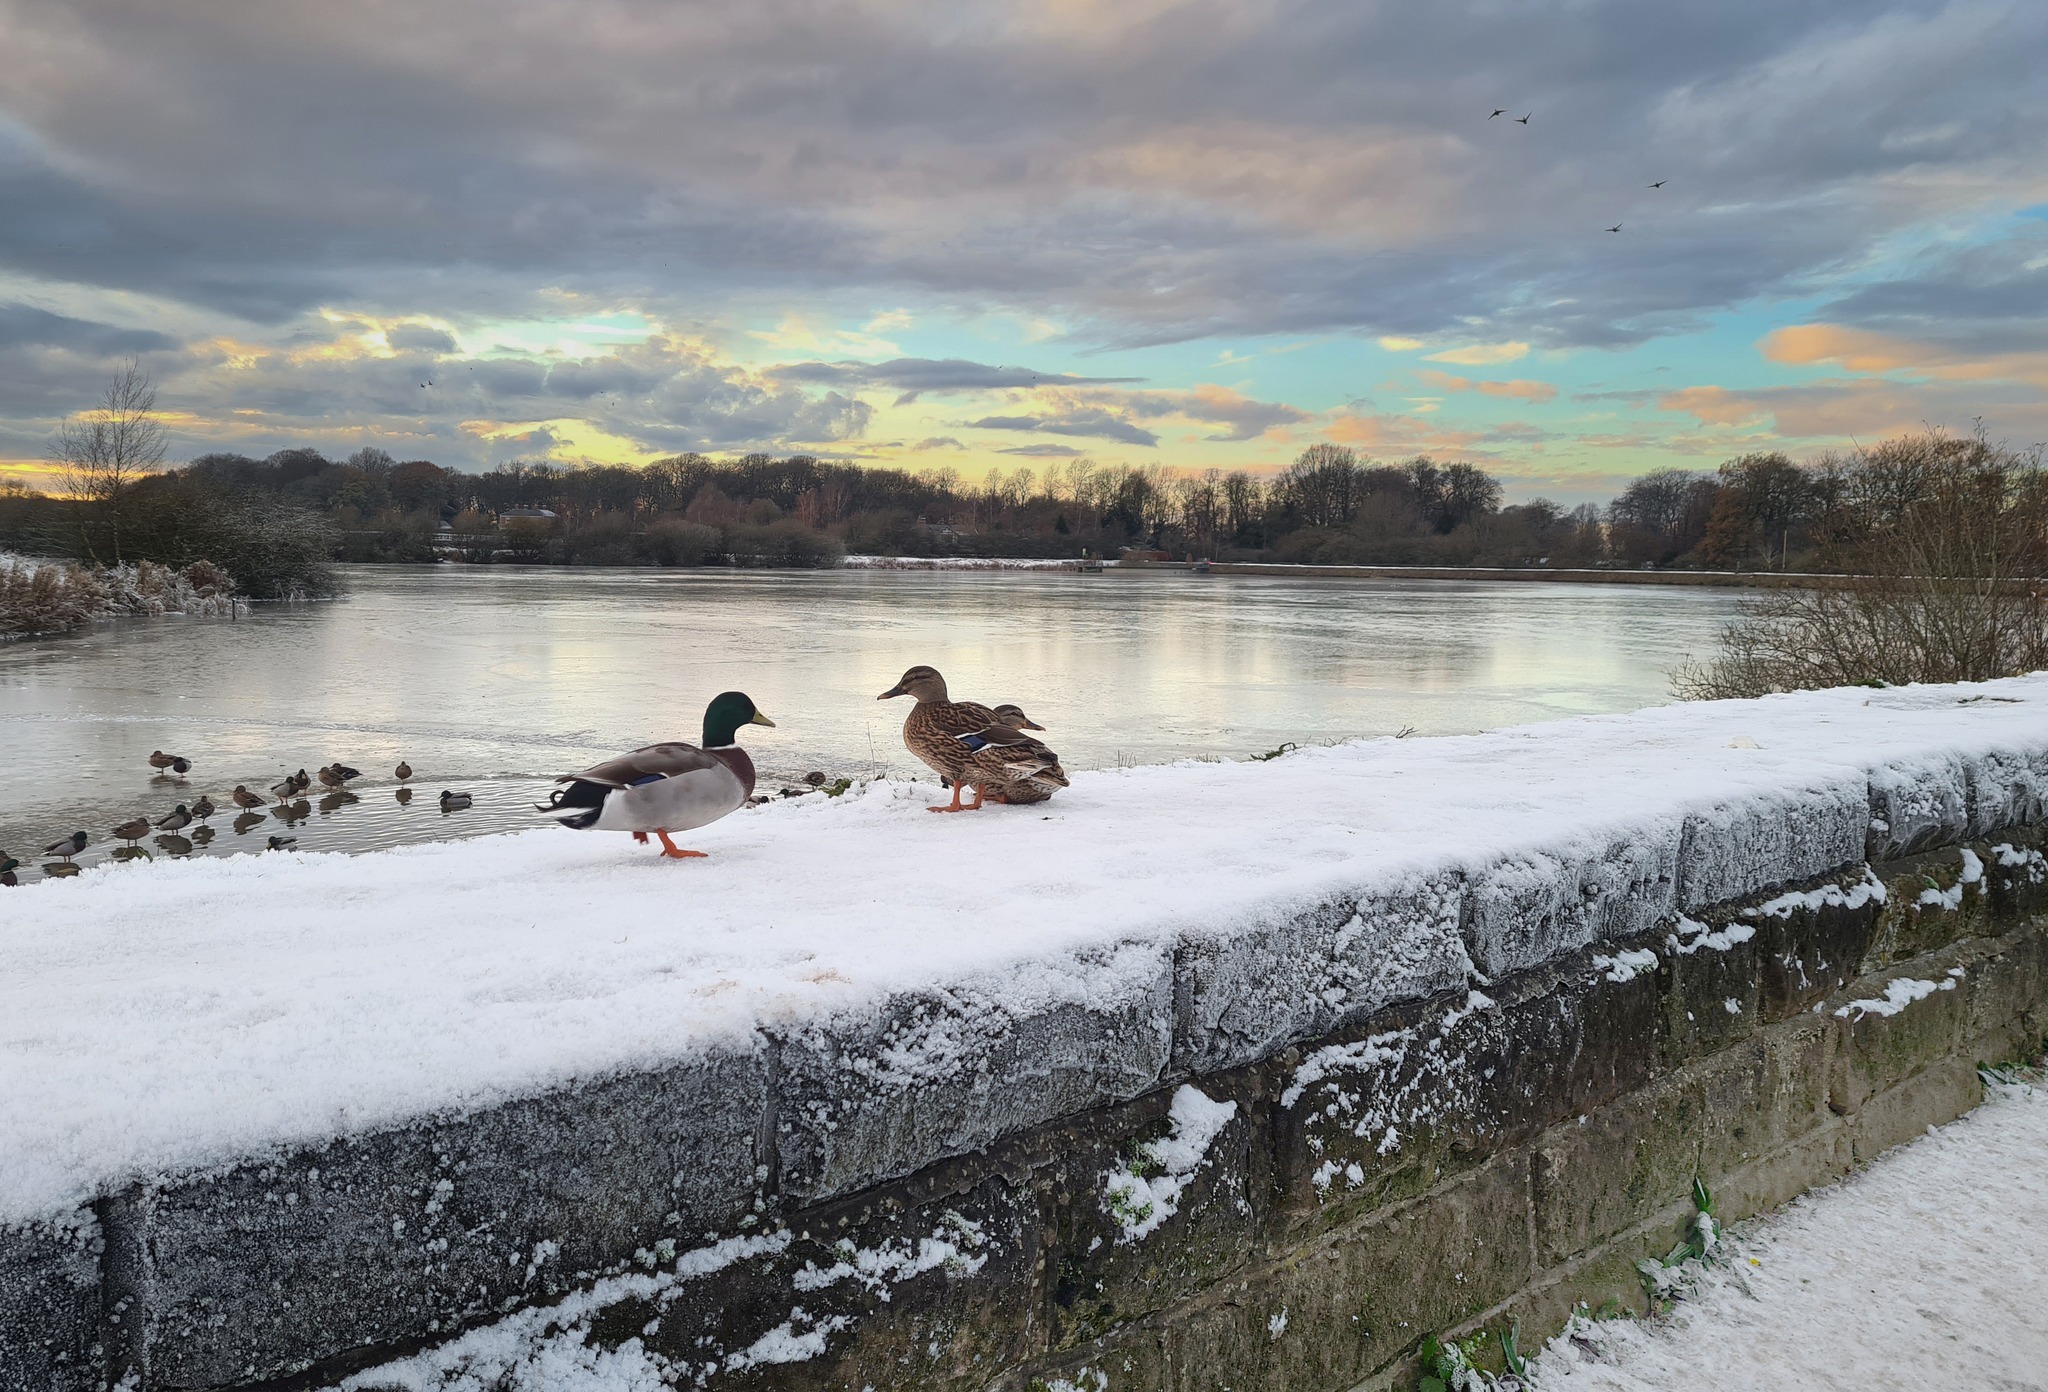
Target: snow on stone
{"x": 1144, "y": 1194}
{"x": 1704, "y": 937}
{"x": 1900, "y": 993}
{"x": 1625, "y": 966}
{"x": 1867, "y": 889}
{"x": 879, "y": 1268}
{"x": 544, "y": 1349}
{"x": 159, "y": 1017}
{"x": 1922, "y": 1270}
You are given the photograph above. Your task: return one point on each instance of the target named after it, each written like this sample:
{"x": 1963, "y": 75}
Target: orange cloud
{"x": 1521, "y": 388}
{"x": 1713, "y": 405}
{"x": 1865, "y": 351}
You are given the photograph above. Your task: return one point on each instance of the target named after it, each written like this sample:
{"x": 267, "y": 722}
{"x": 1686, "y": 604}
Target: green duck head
{"x": 727, "y": 712}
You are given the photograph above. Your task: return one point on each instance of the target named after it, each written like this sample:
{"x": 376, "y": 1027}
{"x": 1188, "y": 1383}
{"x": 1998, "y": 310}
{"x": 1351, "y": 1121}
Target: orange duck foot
{"x": 675, "y": 852}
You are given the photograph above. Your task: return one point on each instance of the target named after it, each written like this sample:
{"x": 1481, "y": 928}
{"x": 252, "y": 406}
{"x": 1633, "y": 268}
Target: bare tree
{"x": 104, "y": 452}
{"x": 1942, "y": 580}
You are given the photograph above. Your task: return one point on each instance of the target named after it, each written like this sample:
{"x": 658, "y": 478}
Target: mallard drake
{"x": 1007, "y": 765}
{"x": 403, "y": 771}
{"x": 666, "y": 787}
{"x": 203, "y": 808}
{"x": 181, "y": 766}
{"x": 177, "y": 819}
{"x": 935, "y": 724}
{"x": 278, "y": 843}
{"x": 134, "y": 831}
{"x": 8, "y": 864}
{"x": 455, "y": 802}
{"x": 284, "y": 791}
{"x": 247, "y": 800}
{"x": 8, "y": 877}
{"x": 68, "y": 847}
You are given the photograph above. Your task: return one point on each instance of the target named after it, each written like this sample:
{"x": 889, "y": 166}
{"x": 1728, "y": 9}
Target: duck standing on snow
{"x": 666, "y": 787}
{"x": 1006, "y": 765}
{"x": 934, "y": 727}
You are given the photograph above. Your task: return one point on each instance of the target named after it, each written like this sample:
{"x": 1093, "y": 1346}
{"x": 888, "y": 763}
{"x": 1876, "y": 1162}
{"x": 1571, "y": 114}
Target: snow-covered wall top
{"x": 908, "y": 986}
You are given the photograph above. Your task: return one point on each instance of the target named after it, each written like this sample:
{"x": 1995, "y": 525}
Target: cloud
{"x": 1521, "y": 389}
{"x": 1395, "y": 344}
{"x": 912, "y": 377}
{"x": 1045, "y": 451}
{"x": 420, "y": 338}
{"x": 1080, "y": 420}
{"x": 1480, "y": 354}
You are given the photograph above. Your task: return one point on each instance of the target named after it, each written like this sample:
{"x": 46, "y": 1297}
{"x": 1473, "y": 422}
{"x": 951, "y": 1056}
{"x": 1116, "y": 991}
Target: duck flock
{"x": 652, "y": 792}
{"x": 186, "y": 827}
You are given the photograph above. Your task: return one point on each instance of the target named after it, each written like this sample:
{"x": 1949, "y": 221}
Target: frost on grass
{"x": 1145, "y": 1191}
{"x": 954, "y": 1247}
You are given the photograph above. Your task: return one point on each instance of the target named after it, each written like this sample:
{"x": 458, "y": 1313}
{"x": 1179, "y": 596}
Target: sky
{"x": 982, "y": 235}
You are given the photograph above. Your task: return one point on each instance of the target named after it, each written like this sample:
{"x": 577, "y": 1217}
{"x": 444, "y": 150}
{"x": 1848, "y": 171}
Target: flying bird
{"x": 1659, "y": 184}
{"x": 1615, "y": 228}
{"x": 1498, "y": 111}
{"x": 1523, "y": 120}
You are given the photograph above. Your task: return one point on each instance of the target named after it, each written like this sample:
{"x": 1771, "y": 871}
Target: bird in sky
{"x": 1615, "y": 228}
{"x": 1523, "y": 120}
{"x": 1658, "y": 184}
{"x": 1498, "y": 111}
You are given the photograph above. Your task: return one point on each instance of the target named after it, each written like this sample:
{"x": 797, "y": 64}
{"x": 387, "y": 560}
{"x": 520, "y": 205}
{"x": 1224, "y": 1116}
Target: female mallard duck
{"x": 1006, "y": 765}
{"x": 247, "y": 800}
{"x": 203, "y": 808}
{"x": 935, "y": 725}
{"x": 134, "y": 831}
{"x": 666, "y": 787}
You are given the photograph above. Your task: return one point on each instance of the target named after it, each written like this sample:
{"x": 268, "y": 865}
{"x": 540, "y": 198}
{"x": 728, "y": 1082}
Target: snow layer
{"x": 155, "y": 1017}
{"x": 1922, "y": 1271}
{"x": 1145, "y": 1193}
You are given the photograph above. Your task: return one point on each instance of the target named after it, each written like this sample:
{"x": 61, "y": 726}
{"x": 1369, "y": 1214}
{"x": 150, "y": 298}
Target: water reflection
{"x": 492, "y": 680}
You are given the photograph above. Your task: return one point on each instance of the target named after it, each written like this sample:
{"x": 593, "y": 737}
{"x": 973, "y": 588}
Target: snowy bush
{"x": 44, "y": 597}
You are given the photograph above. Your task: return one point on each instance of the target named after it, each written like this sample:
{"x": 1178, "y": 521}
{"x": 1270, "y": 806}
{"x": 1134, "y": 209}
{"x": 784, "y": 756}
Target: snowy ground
{"x": 1923, "y": 1271}
{"x": 169, "y": 1015}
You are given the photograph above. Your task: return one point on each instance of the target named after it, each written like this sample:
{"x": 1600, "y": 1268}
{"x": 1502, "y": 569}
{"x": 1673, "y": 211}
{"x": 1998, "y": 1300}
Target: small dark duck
{"x": 933, "y": 729}
{"x": 68, "y": 847}
{"x": 665, "y": 788}
{"x": 204, "y": 808}
{"x": 403, "y": 772}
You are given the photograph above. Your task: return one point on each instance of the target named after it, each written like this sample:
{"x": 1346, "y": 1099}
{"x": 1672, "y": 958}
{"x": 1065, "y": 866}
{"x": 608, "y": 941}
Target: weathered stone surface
{"x": 1917, "y": 805}
{"x": 1876, "y": 1049}
{"x": 1099, "y": 1273}
{"x": 925, "y": 1283}
{"x": 1528, "y": 909}
{"x": 267, "y": 1269}
{"x": 1632, "y": 1158}
{"x": 875, "y": 1096}
{"x": 1752, "y": 843}
{"x": 50, "y": 1307}
{"x": 1239, "y": 997}
{"x": 2006, "y": 788}
{"x": 2016, "y": 872}
{"x": 1711, "y": 988}
{"x": 1932, "y": 899}
{"x": 1935, "y": 1096}
{"x": 1379, "y": 1117}
{"x": 1806, "y": 954}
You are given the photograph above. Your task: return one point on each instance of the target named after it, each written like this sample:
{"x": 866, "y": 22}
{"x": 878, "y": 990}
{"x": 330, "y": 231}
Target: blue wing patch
{"x": 973, "y": 742}
{"x": 645, "y": 779}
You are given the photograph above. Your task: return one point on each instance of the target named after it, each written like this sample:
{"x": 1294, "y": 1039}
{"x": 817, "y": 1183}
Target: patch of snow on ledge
{"x": 1901, "y": 993}
{"x": 1140, "y": 1202}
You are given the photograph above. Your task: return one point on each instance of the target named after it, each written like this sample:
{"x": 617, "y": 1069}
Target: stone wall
{"x": 1270, "y": 1161}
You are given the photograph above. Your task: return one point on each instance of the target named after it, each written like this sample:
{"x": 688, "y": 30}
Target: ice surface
{"x": 160, "y": 1017}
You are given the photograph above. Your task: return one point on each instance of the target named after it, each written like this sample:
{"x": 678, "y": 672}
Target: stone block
{"x": 1241, "y": 996}
{"x": 1917, "y": 804}
{"x": 2005, "y": 1005}
{"x": 2006, "y": 788}
{"x": 1385, "y": 1115}
{"x": 1529, "y": 908}
{"x": 1747, "y": 844}
{"x": 920, "y": 1285}
{"x": 268, "y": 1269}
{"x": 50, "y": 1306}
{"x": 1808, "y": 952}
{"x": 873, "y": 1095}
{"x": 1932, "y": 899}
{"x": 1711, "y": 988}
{"x": 1935, "y": 1096}
{"x": 1891, "y": 1025}
{"x": 1600, "y": 1176}
{"x": 1102, "y": 1270}
{"x": 2016, "y": 874}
